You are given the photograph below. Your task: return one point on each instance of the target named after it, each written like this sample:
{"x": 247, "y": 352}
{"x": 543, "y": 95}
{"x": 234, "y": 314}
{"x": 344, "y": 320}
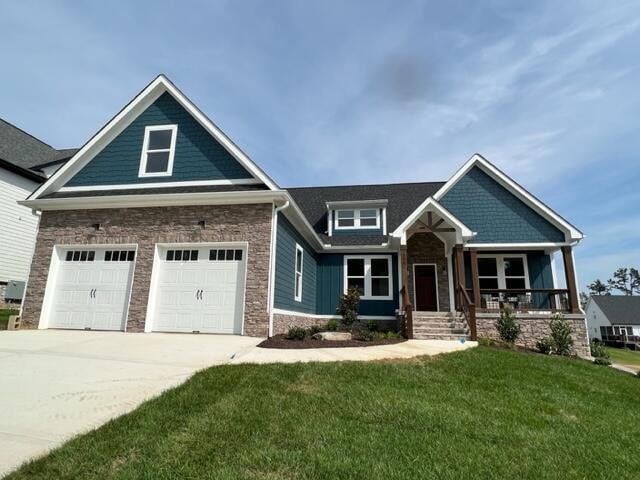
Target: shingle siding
{"x": 497, "y": 215}
{"x": 198, "y": 155}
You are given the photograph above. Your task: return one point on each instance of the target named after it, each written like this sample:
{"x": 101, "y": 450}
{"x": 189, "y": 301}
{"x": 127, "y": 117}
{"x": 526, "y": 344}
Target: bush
{"x": 486, "y": 342}
{"x": 364, "y": 335}
{"x": 372, "y": 325}
{"x": 508, "y": 326}
{"x": 545, "y": 346}
{"x": 560, "y": 335}
{"x": 349, "y": 304}
{"x": 296, "y": 333}
{"x": 602, "y": 361}
{"x": 313, "y": 329}
{"x": 598, "y": 350}
{"x": 332, "y": 325}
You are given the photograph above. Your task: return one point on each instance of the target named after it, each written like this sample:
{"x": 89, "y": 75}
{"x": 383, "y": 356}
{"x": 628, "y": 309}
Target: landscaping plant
{"x": 348, "y": 306}
{"x": 332, "y": 325}
{"x": 507, "y": 325}
{"x": 599, "y": 350}
{"x": 297, "y": 333}
{"x": 561, "y": 340}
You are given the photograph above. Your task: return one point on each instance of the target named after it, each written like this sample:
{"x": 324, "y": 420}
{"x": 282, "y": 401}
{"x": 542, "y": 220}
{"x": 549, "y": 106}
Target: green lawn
{"x": 482, "y": 413}
{"x": 625, "y": 357}
{"x": 4, "y": 317}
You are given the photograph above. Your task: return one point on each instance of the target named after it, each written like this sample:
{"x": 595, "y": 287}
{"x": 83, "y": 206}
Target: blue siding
{"x": 496, "y": 214}
{"x": 540, "y": 276}
{"x": 331, "y": 284}
{"x": 284, "y": 282}
{"x": 198, "y": 155}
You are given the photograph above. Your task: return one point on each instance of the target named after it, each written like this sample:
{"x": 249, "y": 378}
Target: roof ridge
{"x": 366, "y": 185}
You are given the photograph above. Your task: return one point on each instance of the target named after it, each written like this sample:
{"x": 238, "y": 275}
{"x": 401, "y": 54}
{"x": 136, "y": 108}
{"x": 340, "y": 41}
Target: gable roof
{"x": 25, "y": 154}
{"x": 619, "y": 309}
{"x": 122, "y": 119}
{"x": 402, "y": 199}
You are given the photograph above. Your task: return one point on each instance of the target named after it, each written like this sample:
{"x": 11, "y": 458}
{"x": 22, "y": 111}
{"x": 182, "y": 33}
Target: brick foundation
{"x": 147, "y": 226}
{"x": 536, "y": 327}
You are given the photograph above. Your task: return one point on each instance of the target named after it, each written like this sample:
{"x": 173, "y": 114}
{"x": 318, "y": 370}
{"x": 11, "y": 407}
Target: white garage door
{"x": 91, "y": 289}
{"x": 199, "y": 289}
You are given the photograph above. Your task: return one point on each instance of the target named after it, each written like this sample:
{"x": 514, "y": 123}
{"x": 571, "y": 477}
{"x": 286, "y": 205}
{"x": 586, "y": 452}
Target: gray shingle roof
{"x": 161, "y": 190}
{"x": 26, "y": 151}
{"x": 403, "y": 199}
{"x": 619, "y": 309}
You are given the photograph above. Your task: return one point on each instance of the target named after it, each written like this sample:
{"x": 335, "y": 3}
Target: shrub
{"x": 508, "y": 326}
{"x": 391, "y": 335}
{"x": 560, "y": 335}
{"x": 601, "y": 361}
{"x": 372, "y": 325}
{"x": 297, "y": 333}
{"x": 364, "y": 335}
{"x": 545, "y": 345}
{"x": 332, "y": 325}
{"x": 349, "y": 304}
{"x": 313, "y": 329}
{"x": 598, "y": 350}
{"x": 486, "y": 342}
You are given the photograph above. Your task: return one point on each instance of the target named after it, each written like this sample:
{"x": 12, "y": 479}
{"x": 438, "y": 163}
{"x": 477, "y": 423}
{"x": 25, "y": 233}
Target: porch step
{"x": 439, "y": 326}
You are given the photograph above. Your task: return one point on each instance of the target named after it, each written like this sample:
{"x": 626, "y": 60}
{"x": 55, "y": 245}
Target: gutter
{"x": 272, "y": 262}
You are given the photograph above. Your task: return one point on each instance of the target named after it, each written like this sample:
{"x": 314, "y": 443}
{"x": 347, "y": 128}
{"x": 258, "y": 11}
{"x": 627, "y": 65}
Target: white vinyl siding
{"x": 19, "y": 226}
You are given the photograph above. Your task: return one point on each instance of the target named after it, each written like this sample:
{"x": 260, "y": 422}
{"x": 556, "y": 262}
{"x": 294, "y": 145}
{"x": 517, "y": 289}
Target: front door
{"x": 426, "y": 288}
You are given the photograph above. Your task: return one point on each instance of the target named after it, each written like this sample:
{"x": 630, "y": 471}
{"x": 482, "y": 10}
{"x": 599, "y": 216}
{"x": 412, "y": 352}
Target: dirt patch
{"x": 280, "y": 341}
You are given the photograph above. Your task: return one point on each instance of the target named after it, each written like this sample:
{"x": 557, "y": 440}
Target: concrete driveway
{"x": 55, "y": 384}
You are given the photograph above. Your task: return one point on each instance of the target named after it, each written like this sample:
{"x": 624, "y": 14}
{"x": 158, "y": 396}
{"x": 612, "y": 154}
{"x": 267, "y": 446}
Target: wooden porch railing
{"x": 531, "y": 299}
{"x": 468, "y": 308}
{"x": 408, "y": 313}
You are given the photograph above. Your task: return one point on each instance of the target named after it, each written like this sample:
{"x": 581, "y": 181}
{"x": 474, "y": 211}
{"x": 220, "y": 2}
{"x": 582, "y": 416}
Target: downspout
{"x": 272, "y": 269}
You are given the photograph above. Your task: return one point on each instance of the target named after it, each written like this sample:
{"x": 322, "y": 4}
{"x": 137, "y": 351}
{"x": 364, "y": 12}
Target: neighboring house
{"x": 161, "y": 223}
{"x": 614, "y": 317}
{"x": 25, "y": 163}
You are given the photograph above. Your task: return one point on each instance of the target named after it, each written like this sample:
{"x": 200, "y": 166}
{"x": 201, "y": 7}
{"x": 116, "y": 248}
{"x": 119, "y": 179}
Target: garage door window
{"x": 225, "y": 254}
{"x": 80, "y": 256}
{"x": 119, "y": 255}
{"x": 182, "y": 255}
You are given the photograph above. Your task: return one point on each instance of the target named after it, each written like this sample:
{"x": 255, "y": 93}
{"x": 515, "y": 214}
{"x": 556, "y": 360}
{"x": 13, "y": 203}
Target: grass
{"x": 4, "y": 317}
{"x": 481, "y": 413}
{"x": 625, "y": 357}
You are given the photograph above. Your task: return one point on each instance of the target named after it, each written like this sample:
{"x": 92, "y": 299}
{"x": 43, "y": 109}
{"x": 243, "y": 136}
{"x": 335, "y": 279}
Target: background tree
{"x": 625, "y": 280}
{"x": 598, "y": 288}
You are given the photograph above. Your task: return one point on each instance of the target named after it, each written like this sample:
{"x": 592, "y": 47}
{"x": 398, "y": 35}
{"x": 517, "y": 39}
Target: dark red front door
{"x": 426, "y": 291}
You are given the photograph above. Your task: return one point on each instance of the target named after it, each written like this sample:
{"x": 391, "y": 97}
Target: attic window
{"x": 356, "y": 219}
{"x": 158, "y": 149}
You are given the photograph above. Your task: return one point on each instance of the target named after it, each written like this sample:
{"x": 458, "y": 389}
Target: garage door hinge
{"x": 196, "y": 331}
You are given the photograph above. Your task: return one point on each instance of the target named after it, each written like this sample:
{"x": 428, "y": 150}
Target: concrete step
{"x": 426, "y": 336}
{"x": 443, "y": 330}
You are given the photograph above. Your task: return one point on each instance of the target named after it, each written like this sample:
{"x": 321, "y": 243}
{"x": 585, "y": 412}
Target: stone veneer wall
{"x": 427, "y": 248}
{"x": 146, "y": 227}
{"x": 283, "y": 322}
{"x": 535, "y": 327}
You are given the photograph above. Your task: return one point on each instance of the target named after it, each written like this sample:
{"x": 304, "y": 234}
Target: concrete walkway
{"x": 55, "y": 384}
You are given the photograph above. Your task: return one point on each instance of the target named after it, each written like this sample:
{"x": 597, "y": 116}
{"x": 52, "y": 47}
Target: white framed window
{"x": 158, "y": 150}
{"x": 299, "y": 265}
{"x": 357, "y": 219}
{"x": 371, "y": 274}
{"x": 499, "y": 272}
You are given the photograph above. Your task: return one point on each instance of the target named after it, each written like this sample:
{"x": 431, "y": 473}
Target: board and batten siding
{"x": 496, "y": 214}
{"x": 284, "y": 282}
{"x": 198, "y": 156}
{"x": 18, "y": 227}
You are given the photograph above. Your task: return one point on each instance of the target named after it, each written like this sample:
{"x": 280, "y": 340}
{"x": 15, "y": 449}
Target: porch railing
{"x": 524, "y": 300}
{"x": 468, "y": 309}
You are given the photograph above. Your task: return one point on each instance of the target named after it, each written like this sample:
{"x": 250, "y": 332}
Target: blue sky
{"x": 337, "y": 92}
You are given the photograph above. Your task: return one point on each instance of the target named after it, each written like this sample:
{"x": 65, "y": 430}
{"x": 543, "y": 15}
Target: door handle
{"x": 92, "y": 293}
{"x": 199, "y": 294}
{"x": 95, "y": 290}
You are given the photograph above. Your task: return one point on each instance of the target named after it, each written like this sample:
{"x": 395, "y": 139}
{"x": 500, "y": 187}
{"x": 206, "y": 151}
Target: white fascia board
{"x": 136, "y": 186}
{"x": 357, "y": 204}
{"x": 158, "y": 200}
{"x": 430, "y": 204}
{"x": 124, "y": 118}
{"x": 297, "y": 218}
{"x": 571, "y": 232}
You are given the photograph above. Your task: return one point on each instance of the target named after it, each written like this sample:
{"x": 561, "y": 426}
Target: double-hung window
{"x": 371, "y": 274}
{"x": 503, "y": 272}
{"x": 357, "y": 219}
{"x": 158, "y": 149}
{"x": 299, "y": 265}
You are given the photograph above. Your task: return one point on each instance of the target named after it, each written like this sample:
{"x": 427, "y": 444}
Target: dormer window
{"x": 357, "y": 219}
{"x": 158, "y": 149}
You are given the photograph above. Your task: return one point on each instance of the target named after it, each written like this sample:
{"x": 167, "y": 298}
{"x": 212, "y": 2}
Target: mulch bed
{"x": 280, "y": 341}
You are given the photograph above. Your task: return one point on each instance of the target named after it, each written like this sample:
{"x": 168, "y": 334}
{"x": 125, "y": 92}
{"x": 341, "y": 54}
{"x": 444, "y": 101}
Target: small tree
{"x": 598, "y": 288}
{"x": 507, "y": 325}
{"x": 349, "y": 304}
{"x": 625, "y": 280}
{"x": 561, "y": 340}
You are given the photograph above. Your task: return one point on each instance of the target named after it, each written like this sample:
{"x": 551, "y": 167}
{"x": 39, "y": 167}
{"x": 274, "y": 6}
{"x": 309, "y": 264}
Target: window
{"x": 298, "y": 273}
{"x": 119, "y": 255}
{"x": 225, "y": 254}
{"x": 158, "y": 148}
{"x": 503, "y": 272}
{"x": 623, "y": 330}
{"x": 352, "y": 219}
{"x": 80, "y": 256}
{"x": 182, "y": 255}
{"x": 371, "y": 274}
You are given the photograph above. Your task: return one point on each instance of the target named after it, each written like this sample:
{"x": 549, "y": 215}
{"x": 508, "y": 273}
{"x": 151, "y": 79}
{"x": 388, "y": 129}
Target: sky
{"x": 344, "y": 92}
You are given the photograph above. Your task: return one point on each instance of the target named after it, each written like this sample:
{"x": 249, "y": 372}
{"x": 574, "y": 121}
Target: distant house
{"x": 25, "y": 163}
{"x": 614, "y": 318}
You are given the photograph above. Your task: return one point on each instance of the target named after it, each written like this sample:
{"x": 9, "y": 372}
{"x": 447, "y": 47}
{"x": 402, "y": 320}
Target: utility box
{"x": 14, "y": 291}
{"x": 14, "y": 322}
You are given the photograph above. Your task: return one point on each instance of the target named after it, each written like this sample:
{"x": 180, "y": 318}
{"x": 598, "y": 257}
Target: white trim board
{"x": 123, "y": 119}
{"x": 477, "y": 160}
{"x": 330, "y": 317}
{"x": 188, "y": 183}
